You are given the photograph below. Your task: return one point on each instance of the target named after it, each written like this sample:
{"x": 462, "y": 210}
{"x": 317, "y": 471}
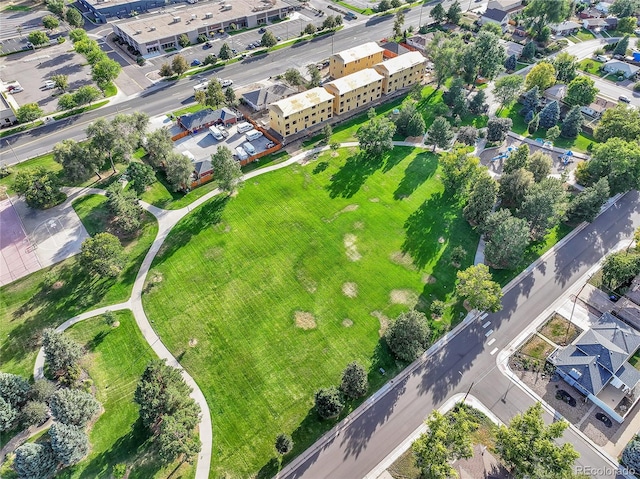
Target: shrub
{"x": 437, "y": 308}
{"x": 328, "y": 402}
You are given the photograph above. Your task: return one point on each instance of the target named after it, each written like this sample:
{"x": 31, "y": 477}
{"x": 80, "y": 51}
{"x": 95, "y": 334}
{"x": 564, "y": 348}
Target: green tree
{"x": 225, "y": 52}
{"x": 183, "y": 41}
{"x": 284, "y": 444}
{"x": 497, "y": 129}
{"x": 354, "y": 383}
{"x": 539, "y": 165}
{"x": 14, "y": 389}
{"x": 77, "y": 162}
{"x": 28, "y": 112}
{"x": 398, "y": 24}
{"x": 328, "y": 403}
{"x": 86, "y": 94}
{"x": 179, "y": 65}
{"x": 621, "y": 47}
{"x": 482, "y": 198}
{"x": 105, "y": 72}
{"x": 619, "y": 268}
{"x": 586, "y": 205}
{"x": 56, "y": 7}
{"x": 66, "y": 102}
{"x": 619, "y": 122}
{"x": 73, "y": 407}
{"x": 383, "y": 6}
{"x": 61, "y": 81}
{"x": 544, "y": 206}
{"x": 508, "y": 243}
{"x": 315, "y": 76}
{"x": 456, "y": 97}
{"x": 293, "y": 77}
{"x": 618, "y": 160}
{"x": 553, "y": 133}
{"x": 541, "y": 13}
{"x": 511, "y": 63}
{"x": 529, "y": 50}
{"x": 34, "y": 461}
{"x": 176, "y": 437}
{"x": 230, "y": 97}
{"x": 309, "y": 29}
{"x": 477, "y": 105}
{"x": 124, "y": 206}
{"x": 454, "y": 13}
{"x": 329, "y": 22}
{"x": 8, "y": 415}
{"x": 477, "y": 287}
{"x": 78, "y": 34}
{"x": 438, "y": 13}
{"x": 103, "y": 255}
{"x": 439, "y": 133}
{"x": 631, "y": 453}
{"x": 376, "y": 135}
{"x": 572, "y": 124}
{"x": 34, "y": 413}
{"x": 445, "y": 54}
{"x": 530, "y": 102}
{"x": 408, "y": 336}
{"x": 39, "y": 187}
{"x": 226, "y": 169}
{"x": 61, "y": 353}
{"x": 140, "y": 176}
{"x": 38, "y": 37}
{"x": 69, "y": 443}
{"x": 467, "y": 135}
{"x": 550, "y": 114}
{"x": 514, "y": 186}
{"x": 528, "y": 445}
{"x": 566, "y": 66}
{"x": 158, "y": 146}
{"x": 519, "y": 158}
{"x": 42, "y": 390}
{"x": 409, "y": 122}
{"x": 447, "y": 439}
{"x": 581, "y": 91}
{"x": 213, "y": 96}
{"x": 50, "y": 22}
{"x": 542, "y": 75}
{"x": 484, "y": 57}
{"x": 166, "y": 70}
{"x": 624, "y": 8}
{"x": 178, "y": 169}
{"x": 507, "y": 89}
{"x": 74, "y": 18}
{"x": 268, "y": 39}
{"x": 459, "y": 170}
{"x": 627, "y": 25}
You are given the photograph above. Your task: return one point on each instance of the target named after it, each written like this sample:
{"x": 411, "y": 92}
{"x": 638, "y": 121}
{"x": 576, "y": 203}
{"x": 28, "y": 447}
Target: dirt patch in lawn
{"x": 305, "y": 320}
{"x": 560, "y": 330}
{"x": 350, "y": 290}
{"x": 384, "y": 321}
{"x": 374, "y": 200}
{"x": 402, "y": 259}
{"x": 428, "y": 279}
{"x": 351, "y": 248}
{"x": 347, "y": 323}
{"x": 193, "y": 342}
{"x": 349, "y": 208}
{"x": 307, "y": 283}
{"x": 358, "y": 225}
{"x": 403, "y": 296}
{"x": 57, "y": 285}
{"x": 537, "y": 348}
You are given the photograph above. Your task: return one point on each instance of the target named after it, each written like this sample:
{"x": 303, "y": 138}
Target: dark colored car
{"x": 605, "y": 419}
{"x": 563, "y": 395}
{"x": 262, "y": 30}
{"x": 196, "y": 63}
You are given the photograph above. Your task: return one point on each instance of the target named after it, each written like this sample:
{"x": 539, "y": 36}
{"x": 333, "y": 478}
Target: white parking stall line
{"x": 488, "y": 333}
{"x": 484, "y": 316}
{"x": 494, "y": 351}
{"x": 491, "y": 341}
{"x": 485, "y": 325}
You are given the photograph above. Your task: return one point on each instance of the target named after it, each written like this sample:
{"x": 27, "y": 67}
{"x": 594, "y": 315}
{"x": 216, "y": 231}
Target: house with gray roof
{"x": 619, "y": 67}
{"x": 206, "y": 118}
{"x": 260, "y": 98}
{"x": 600, "y": 357}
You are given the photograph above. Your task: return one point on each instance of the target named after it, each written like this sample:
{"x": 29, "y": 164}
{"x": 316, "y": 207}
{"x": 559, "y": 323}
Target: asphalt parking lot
{"x": 202, "y": 145}
{"x": 31, "y": 68}
{"x": 20, "y": 23}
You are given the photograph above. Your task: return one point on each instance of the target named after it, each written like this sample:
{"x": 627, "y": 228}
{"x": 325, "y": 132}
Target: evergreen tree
{"x": 550, "y": 114}
{"x": 34, "y": 461}
{"x": 328, "y": 403}
{"x": 511, "y": 63}
{"x": 14, "y": 389}
{"x": 586, "y": 205}
{"x": 69, "y": 443}
{"x": 73, "y": 407}
{"x": 225, "y": 52}
{"x": 354, "y": 382}
{"x": 438, "y": 13}
{"x": 529, "y": 50}
{"x": 482, "y": 198}
{"x": 8, "y": 415}
{"x": 34, "y": 413}
{"x": 284, "y": 444}
{"x": 477, "y": 105}
{"x": 439, "y": 133}
{"x": 61, "y": 353}
{"x": 622, "y": 46}
{"x": 531, "y": 102}
{"x": 508, "y": 243}
{"x": 544, "y": 206}
{"x": 533, "y": 124}
{"x": 572, "y": 124}
{"x": 631, "y": 454}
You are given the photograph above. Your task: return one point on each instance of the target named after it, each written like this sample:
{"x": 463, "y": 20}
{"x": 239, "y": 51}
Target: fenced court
{"x": 18, "y": 256}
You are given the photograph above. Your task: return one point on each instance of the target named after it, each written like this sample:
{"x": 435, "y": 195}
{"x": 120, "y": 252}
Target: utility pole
{"x": 575, "y": 300}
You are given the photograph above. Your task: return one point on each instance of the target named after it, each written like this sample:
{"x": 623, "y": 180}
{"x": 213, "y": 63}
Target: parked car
{"x": 234, "y": 51}
{"x": 15, "y": 88}
{"x": 226, "y": 83}
{"x": 624, "y": 99}
{"x": 196, "y": 63}
{"x": 279, "y": 39}
{"x": 250, "y": 46}
{"x": 48, "y": 85}
{"x": 602, "y": 58}
{"x": 206, "y": 46}
{"x": 262, "y": 30}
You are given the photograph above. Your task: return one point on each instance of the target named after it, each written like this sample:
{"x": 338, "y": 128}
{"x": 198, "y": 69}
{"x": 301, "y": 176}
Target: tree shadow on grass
{"x": 193, "y": 224}
{"x": 425, "y": 226}
{"x": 350, "y": 178}
{"x": 421, "y": 168}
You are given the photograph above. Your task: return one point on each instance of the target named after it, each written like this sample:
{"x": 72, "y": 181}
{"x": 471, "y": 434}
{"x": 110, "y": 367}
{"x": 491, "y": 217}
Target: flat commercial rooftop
{"x": 355, "y": 80}
{"x": 302, "y": 101}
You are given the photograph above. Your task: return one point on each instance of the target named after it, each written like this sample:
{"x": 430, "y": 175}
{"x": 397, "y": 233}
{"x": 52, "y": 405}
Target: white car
{"x": 624, "y": 99}
{"x": 226, "y": 83}
{"x": 48, "y": 85}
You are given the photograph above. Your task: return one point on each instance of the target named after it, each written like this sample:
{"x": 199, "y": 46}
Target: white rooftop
{"x": 355, "y": 80}
{"x": 361, "y": 51}
{"x": 301, "y": 101}
{"x": 401, "y": 62}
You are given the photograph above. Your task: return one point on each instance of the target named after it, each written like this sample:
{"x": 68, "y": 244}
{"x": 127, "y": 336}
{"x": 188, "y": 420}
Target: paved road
{"x": 364, "y": 441}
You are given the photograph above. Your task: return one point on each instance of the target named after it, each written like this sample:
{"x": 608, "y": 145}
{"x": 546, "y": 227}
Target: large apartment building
{"x": 301, "y": 111}
{"x": 355, "y": 90}
{"x": 401, "y": 71}
{"x": 355, "y": 59}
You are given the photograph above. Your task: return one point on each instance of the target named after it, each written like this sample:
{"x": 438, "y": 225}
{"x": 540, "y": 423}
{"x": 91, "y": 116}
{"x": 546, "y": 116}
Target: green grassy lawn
{"x": 115, "y": 360}
{"x": 578, "y": 144}
{"x": 110, "y": 91}
{"x": 589, "y": 65}
{"x": 20, "y": 128}
{"x": 17, "y": 8}
{"x": 188, "y": 109}
{"x": 52, "y": 295}
{"x": 533, "y": 252}
{"x": 585, "y": 35}
{"x": 233, "y": 274}
{"x": 78, "y": 111}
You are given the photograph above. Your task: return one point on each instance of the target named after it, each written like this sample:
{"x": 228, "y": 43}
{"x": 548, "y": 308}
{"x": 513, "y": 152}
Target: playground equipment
{"x": 567, "y": 157}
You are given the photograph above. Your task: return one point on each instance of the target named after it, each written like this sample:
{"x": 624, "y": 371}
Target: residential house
{"x": 355, "y": 90}
{"x": 401, "y": 71}
{"x": 260, "y": 98}
{"x": 202, "y": 168}
{"x": 619, "y": 67}
{"x": 611, "y": 23}
{"x": 512, "y": 48}
{"x": 597, "y": 108}
{"x": 594, "y": 24}
{"x": 355, "y": 59}
{"x": 556, "y": 92}
{"x": 565, "y": 28}
{"x": 194, "y": 122}
{"x": 297, "y": 112}
{"x": 500, "y": 12}
{"x": 393, "y": 49}
{"x": 420, "y": 41}
{"x": 603, "y": 7}
{"x": 598, "y": 358}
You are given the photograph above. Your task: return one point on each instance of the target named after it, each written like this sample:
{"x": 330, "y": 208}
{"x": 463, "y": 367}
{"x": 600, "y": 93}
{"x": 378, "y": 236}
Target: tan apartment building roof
{"x": 162, "y": 24}
{"x": 355, "y": 80}
{"x": 401, "y": 62}
{"x": 301, "y": 101}
{"x": 361, "y": 51}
